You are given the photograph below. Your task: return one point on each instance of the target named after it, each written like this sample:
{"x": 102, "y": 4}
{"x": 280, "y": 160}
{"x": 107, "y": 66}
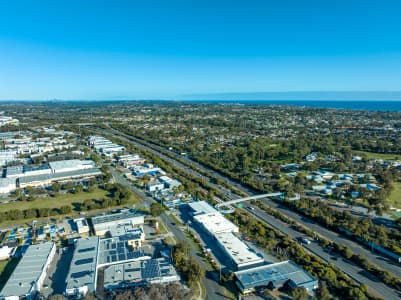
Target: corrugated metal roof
{"x": 28, "y": 270}
{"x": 275, "y": 273}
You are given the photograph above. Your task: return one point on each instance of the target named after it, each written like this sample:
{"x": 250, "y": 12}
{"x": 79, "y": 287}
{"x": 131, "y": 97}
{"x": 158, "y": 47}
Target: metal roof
{"x": 238, "y": 251}
{"x": 60, "y": 176}
{"x": 201, "y": 207}
{"x": 122, "y": 215}
{"x": 116, "y": 250}
{"x": 83, "y": 265}
{"x": 150, "y": 270}
{"x": 275, "y": 273}
{"x": 70, "y": 163}
{"x": 28, "y": 270}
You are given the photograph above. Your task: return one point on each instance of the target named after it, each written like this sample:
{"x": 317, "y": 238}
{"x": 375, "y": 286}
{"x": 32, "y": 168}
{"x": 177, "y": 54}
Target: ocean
{"x": 371, "y": 105}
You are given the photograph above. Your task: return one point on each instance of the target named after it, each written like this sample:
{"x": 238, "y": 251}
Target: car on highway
{"x": 250, "y": 208}
{"x": 303, "y": 240}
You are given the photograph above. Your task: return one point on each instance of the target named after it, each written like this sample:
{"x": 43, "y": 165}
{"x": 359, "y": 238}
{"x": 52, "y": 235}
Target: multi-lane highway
{"x": 347, "y": 267}
{"x": 172, "y": 157}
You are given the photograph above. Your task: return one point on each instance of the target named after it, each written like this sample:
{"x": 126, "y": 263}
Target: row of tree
{"x": 344, "y": 251}
{"x": 362, "y": 228}
{"x": 337, "y": 284}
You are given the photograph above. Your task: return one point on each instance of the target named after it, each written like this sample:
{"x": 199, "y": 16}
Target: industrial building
{"x": 118, "y": 250}
{"x": 154, "y": 185}
{"x": 251, "y": 270}
{"x": 274, "y": 276}
{"x": 147, "y": 169}
{"x": 93, "y": 253}
{"x": 142, "y": 272}
{"x": 130, "y": 160}
{"x": 5, "y": 120}
{"x": 43, "y": 175}
{"x": 240, "y": 255}
{"x": 136, "y": 234}
{"x": 7, "y": 156}
{"x": 70, "y": 165}
{"x": 169, "y": 183}
{"x": 210, "y": 220}
{"x": 82, "y": 276}
{"x": 82, "y": 225}
{"x": 215, "y": 223}
{"x": 47, "y": 179}
{"x": 7, "y": 185}
{"x": 105, "y": 223}
{"x": 105, "y": 146}
{"x": 6, "y": 252}
{"x": 24, "y": 171}
{"x": 27, "y": 279}
{"x": 200, "y": 208}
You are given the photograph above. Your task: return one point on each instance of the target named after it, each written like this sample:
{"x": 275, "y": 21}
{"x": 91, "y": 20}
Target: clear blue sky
{"x": 167, "y": 49}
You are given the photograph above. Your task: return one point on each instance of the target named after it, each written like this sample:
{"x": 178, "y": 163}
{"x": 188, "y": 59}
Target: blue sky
{"x": 173, "y": 49}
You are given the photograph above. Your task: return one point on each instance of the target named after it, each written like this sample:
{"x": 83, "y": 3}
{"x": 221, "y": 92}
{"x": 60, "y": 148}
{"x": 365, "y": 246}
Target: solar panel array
{"x": 114, "y": 250}
{"x": 150, "y": 269}
{"x": 147, "y": 271}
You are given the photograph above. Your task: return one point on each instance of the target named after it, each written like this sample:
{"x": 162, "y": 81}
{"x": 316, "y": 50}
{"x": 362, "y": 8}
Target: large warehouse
{"x": 27, "y": 279}
{"x": 239, "y": 255}
{"x": 105, "y": 223}
{"x": 211, "y": 220}
{"x": 141, "y": 272}
{"x": 237, "y": 251}
{"x": 81, "y": 277}
{"x": 93, "y": 253}
{"x": 274, "y": 276}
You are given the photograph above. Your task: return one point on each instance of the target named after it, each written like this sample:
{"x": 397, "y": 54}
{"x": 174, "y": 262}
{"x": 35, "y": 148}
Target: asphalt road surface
{"x": 213, "y": 289}
{"x": 347, "y": 267}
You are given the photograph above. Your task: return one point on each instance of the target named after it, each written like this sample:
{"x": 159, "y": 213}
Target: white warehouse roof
{"x": 216, "y": 223}
{"x": 71, "y": 164}
{"x": 201, "y": 207}
{"x": 237, "y": 250}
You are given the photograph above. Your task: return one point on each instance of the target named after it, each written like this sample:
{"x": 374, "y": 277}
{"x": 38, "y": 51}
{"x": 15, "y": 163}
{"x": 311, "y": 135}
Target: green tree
{"x": 322, "y": 293}
{"x": 299, "y": 293}
{"x": 55, "y": 187}
{"x": 156, "y": 209}
{"x": 65, "y": 209}
{"x": 78, "y": 188}
{"x": 30, "y": 213}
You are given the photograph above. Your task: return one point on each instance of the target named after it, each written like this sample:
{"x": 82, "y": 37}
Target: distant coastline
{"x": 367, "y": 105}
{"x": 371, "y": 105}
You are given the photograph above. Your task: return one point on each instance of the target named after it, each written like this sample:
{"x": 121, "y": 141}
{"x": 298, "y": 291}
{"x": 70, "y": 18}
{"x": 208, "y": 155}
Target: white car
{"x": 305, "y": 241}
